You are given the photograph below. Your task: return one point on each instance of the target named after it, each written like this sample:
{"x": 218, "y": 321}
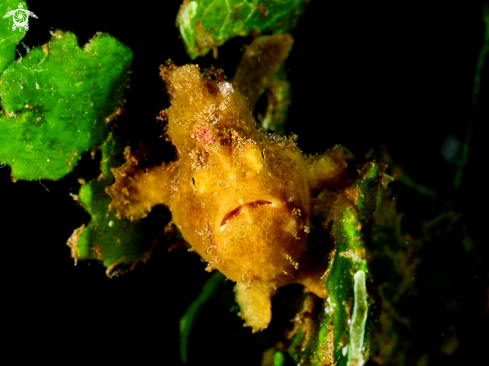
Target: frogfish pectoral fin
{"x": 137, "y": 190}
{"x": 315, "y": 284}
{"x": 255, "y": 304}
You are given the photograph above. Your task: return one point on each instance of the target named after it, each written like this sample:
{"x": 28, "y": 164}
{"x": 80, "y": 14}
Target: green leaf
{"x": 340, "y": 333}
{"x": 58, "y": 101}
{"x": 346, "y": 282}
{"x": 207, "y": 24}
{"x": 118, "y": 243}
{"x": 278, "y": 359}
{"x": 8, "y": 37}
{"x": 112, "y": 156}
{"x": 187, "y": 320}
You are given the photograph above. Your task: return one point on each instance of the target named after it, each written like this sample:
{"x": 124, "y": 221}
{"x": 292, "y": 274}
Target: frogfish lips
{"x": 243, "y": 208}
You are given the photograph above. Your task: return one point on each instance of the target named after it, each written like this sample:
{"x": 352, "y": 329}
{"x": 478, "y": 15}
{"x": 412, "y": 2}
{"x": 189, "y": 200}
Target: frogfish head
{"x": 243, "y": 200}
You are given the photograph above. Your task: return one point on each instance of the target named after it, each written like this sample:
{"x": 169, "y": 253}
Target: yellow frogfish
{"x": 241, "y": 197}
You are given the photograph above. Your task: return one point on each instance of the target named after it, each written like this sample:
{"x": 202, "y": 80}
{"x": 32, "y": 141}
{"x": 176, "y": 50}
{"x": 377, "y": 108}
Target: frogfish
{"x": 242, "y": 197}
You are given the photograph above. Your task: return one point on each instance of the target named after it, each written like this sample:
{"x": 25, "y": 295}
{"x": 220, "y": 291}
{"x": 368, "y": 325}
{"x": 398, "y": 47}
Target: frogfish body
{"x": 242, "y": 198}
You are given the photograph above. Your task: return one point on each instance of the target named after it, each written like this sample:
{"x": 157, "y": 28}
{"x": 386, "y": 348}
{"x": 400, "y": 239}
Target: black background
{"x": 397, "y": 74}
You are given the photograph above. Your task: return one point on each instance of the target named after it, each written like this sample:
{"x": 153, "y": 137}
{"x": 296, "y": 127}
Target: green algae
{"x": 118, "y": 243}
{"x": 57, "y": 102}
{"x": 9, "y": 39}
{"x": 207, "y": 24}
{"x": 210, "y": 287}
{"x": 339, "y": 334}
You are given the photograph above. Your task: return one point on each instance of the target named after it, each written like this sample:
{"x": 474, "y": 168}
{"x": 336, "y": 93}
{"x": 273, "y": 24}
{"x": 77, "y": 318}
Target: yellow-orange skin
{"x": 240, "y": 197}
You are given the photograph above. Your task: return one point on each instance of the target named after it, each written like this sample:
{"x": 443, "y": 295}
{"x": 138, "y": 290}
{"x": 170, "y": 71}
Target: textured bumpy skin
{"x": 242, "y": 198}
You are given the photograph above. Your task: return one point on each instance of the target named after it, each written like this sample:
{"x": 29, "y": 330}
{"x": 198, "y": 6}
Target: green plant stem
{"x": 186, "y": 321}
